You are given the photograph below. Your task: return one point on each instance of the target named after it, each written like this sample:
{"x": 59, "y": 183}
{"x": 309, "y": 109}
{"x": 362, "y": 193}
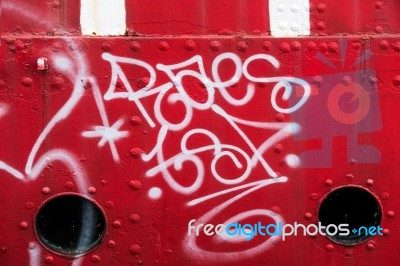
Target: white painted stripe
{"x": 289, "y": 18}
{"x": 103, "y": 17}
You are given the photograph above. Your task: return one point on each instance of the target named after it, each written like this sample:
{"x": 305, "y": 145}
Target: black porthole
{"x": 354, "y": 206}
{"x": 70, "y": 225}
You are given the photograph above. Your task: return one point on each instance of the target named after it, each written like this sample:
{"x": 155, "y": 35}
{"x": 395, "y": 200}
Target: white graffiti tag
{"x": 174, "y": 91}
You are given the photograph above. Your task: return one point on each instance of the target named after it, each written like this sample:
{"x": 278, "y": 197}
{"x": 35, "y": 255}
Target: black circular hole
{"x": 354, "y": 206}
{"x": 70, "y": 225}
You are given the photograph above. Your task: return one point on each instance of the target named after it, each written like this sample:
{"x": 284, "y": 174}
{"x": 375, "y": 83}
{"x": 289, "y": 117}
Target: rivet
{"x": 276, "y": 240}
{"x": 295, "y": 26}
{"x": 308, "y": 215}
{"x": 295, "y": 45}
{"x": 278, "y": 148}
{"x": 315, "y": 196}
{"x": 385, "y": 195}
{"x": 168, "y": 252}
{"x": 378, "y": 4}
{"x": 349, "y": 252}
{"x": 321, "y": 25}
{"x": 283, "y": 25}
{"x": 284, "y": 47}
{"x": 3, "y": 249}
{"x": 140, "y": 262}
{"x": 27, "y": 81}
{"x": 317, "y": 80}
{"x": 41, "y": 64}
{"x": 373, "y": 80}
{"x": 135, "y": 46}
{"x": 276, "y": 209}
{"x": 386, "y": 232}
{"x": 311, "y": 46}
{"x": 31, "y": 245}
{"x": 294, "y": 8}
{"x": 107, "y": 46}
{"x": 321, "y": 7}
{"x": 356, "y": 45}
{"x": 136, "y": 152}
{"x": 190, "y": 45}
{"x": 323, "y": 47}
{"x": 116, "y": 224}
{"x": 346, "y": 80}
{"x": 134, "y": 218}
{"x": 57, "y": 83}
{"x": 69, "y": 185}
{"x": 328, "y": 182}
{"x": 135, "y": 120}
{"x": 390, "y": 214}
{"x": 279, "y": 117}
{"x": 384, "y": 44}
{"x": 29, "y": 205}
{"x": 56, "y": 46}
{"x": 135, "y": 184}
{"x": 88, "y": 84}
{"x": 396, "y": 80}
{"x": 134, "y": 249}
{"x": 46, "y": 190}
{"x": 109, "y": 204}
{"x": 23, "y": 225}
{"x": 379, "y": 29}
{"x": 370, "y": 182}
{"x": 225, "y": 32}
{"x": 95, "y": 258}
{"x": 349, "y": 177}
{"x": 333, "y": 47}
{"x": 92, "y": 190}
{"x": 329, "y": 247}
{"x": 48, "y": 259}
{"x": 267, "y": 45}
{"x": 371, "y": 245}
{"x": 111, "y": 244}
{"x": 242, "y": 46}
{"x": 215, "y": 45}
{"x": 163, "y": 46}
{"x": 281, "y": 7}
{"x": 143, "y": 82}
{"x": 258, "y": 84}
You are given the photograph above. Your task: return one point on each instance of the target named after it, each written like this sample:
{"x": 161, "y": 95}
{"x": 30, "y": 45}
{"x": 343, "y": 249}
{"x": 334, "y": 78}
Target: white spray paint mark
{"x": 292, "y": 160}
{"x": 14, "y": 172}
{"x": 78, "y": 173}
{"x": 130, "y": 94}
{"x": 108, "y": 134}
{"x": 63, "y": 64}
{"x": 289, "y": 18}
{"x": 191, "y": 247}
{"x": 155, "y": 193}
{"x": 103, "y": 17}
{"x": 64, "y": 156}
{"x": 3, "y": 109}
{"x": 176, "y": 73}
{"x": 77, "y": 261}
{"x": 34, "y": 252}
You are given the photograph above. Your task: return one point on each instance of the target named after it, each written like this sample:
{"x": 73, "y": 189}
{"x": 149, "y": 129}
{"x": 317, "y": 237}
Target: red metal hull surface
{"x": 149, "y": 126}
